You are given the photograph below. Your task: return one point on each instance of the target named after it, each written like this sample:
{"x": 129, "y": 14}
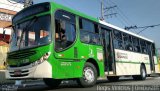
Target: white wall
{"x": 10, "y": 6}
{"x": 5, "y": 4}
{"x": 8, "y": 31}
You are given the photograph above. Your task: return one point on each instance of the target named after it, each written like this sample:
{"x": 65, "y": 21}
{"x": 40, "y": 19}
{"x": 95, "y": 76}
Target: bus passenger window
{"x": 86, "y": 25}
{"x": 143, "y": 46}
{"x": 153, "y": 49}
{"x": 85, "y": 37}
{"x": 89, "y": 32}
{"x": 118, "y": 43}
{"x": 136, "y": 45}
{"x": 127, "y": 42}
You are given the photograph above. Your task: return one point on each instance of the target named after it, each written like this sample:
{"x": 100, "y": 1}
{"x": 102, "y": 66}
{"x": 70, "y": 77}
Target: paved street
{"x": 125, "y": 84}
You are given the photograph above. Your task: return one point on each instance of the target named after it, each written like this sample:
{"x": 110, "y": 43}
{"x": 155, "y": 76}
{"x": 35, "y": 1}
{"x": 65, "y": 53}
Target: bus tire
{"x": 142, "y": 75}
{"x": 52, "y": 83}
{"x": 113, "y": 78}
{"x": 89, "y": 76}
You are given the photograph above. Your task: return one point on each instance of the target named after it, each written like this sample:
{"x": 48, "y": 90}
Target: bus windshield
{"x": 31, "y": 33}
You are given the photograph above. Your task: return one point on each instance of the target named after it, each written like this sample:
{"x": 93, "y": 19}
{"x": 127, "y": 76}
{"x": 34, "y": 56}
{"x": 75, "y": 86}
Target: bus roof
{"x": 98, "y": 21}
{"x": 59, "y": 6}
{"x": 123, "y": 30}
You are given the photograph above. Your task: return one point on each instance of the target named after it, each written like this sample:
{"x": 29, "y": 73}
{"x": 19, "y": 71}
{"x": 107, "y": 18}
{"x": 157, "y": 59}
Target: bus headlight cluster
{"x": 42, "y": 59}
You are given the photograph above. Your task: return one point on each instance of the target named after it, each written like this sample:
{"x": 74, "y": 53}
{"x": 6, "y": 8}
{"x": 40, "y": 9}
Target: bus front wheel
{"x": 52, "y": 83}
{"x": 89, "y": 76}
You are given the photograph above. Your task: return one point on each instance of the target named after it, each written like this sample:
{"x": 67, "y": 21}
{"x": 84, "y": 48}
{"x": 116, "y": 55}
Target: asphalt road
{"x": 124, "y": 84}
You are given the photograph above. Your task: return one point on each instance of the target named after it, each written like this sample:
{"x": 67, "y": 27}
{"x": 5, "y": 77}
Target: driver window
{"x": 64, "y": 30}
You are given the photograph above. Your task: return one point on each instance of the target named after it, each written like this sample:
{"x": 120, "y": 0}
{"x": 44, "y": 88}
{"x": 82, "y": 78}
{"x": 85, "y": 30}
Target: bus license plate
{"x": 17, "y": 72}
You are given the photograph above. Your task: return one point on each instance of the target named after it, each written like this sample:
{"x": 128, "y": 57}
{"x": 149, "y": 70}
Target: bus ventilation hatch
{"x": 21, "y": 55}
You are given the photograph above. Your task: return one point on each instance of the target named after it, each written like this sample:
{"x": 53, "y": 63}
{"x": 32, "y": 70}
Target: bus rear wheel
{"x": 52, "y": 83}
{"x": 89, "y": 76}
{"x": 142, "y": 75}
{"x": 113, "y": 78}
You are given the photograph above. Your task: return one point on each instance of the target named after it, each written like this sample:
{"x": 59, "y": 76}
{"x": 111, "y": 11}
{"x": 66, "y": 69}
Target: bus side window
{"x": 127, "y": 42}
{"x": 148, "y": 47}
{"x": 143, "y": 46}
{"x": 136, "y": 45}
{"x": 65, "y": 30}
{"x": 118, "y": 43}
{"x": 153, "y": 49}
{"x": 89, "y": 32}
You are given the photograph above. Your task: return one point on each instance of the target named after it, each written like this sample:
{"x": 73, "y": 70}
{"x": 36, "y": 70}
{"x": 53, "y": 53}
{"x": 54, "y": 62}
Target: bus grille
{"x": 24, "y": 64}
{"x": 21, "y": 55}
{"x": 21, "y": 74}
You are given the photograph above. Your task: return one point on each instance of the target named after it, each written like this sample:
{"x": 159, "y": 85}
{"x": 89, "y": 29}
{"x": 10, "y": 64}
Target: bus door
{"x": 108, "y": 51}
{"x": 151, "y": 56}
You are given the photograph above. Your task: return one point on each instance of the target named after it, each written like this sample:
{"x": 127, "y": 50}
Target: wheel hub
{"x": 143, "y": 73}
{"x": 88, "y": 75}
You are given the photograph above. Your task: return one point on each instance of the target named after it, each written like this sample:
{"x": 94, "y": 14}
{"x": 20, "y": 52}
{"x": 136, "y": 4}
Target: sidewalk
{"x": 3, "y": 80}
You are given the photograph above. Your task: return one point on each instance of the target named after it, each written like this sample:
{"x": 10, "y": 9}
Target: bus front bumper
{"x": 43, "y": 70}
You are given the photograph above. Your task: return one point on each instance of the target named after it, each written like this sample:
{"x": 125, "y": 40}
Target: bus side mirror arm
{"x": 4, "y": 33}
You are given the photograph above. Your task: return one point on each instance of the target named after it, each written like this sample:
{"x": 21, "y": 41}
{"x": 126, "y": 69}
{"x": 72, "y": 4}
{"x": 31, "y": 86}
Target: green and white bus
{"x": 53, "y": 42}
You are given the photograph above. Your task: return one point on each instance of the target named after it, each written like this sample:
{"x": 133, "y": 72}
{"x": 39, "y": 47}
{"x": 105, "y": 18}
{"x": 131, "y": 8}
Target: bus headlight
{"x": 42, "y": 59}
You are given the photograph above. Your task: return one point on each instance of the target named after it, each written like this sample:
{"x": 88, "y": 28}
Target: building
{"x": 8, "y": 8}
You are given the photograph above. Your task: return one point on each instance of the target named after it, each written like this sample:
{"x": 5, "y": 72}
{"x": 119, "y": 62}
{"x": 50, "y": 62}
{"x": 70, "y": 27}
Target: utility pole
{"x": 102, "y": 10}
{"x": 27, "y": 3}
{"x": 105, "y": 11}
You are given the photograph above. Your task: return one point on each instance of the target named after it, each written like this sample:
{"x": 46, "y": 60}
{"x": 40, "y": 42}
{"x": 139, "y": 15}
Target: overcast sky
{"x": 129, "y": 13}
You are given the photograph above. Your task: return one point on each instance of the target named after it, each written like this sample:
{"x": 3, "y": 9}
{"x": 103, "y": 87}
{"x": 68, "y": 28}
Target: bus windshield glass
{"x": 31, "y": 33}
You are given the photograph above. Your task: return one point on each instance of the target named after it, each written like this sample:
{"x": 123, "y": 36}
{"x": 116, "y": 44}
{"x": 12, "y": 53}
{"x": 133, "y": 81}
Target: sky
{"x": 129, "y": 13}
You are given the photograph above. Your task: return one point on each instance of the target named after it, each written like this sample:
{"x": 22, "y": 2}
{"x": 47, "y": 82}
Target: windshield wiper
{"x": 27, "y": 27}
{"x": 34, "y": 19}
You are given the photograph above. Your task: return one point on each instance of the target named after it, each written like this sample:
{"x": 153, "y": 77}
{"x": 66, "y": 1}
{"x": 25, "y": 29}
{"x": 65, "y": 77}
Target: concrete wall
{"x": 3, "y": 55}
{"x": 3, "y": 80}
{"x": 7, "y": 11}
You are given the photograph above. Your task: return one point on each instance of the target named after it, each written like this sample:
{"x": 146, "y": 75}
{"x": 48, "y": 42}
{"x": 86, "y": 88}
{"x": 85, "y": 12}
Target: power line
{"x": 135, "y": 27}
{"x": 142, "y": 30}
{"x": 110, "y": 9}
{"x": 121, "y": 21}
{"x": 124, "y": 15}
{"x": 149, "y": 26}
{"x": 121, "y": 12}
{"x": 106, "y": 9}
{"x": 127, "y": 23}
{"x": 128, "y": 20}
{"x": 146, "y": 27}
{"x": 142, "y": 27}
{"x": 114, "y": 7}
{"x": 111, "y": 14}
